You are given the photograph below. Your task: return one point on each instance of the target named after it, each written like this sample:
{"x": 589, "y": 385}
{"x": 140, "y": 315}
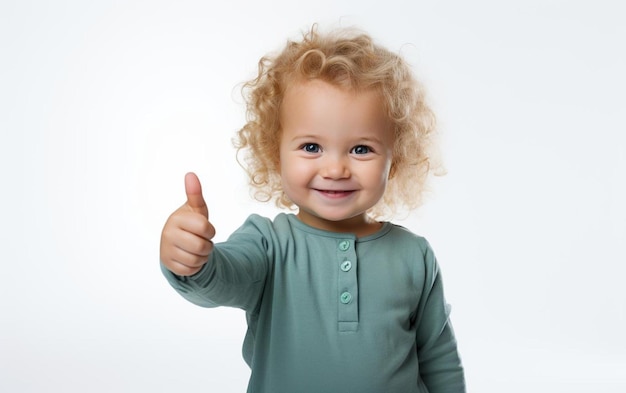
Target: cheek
{"x": 378, "y": 177}
{"x": 294, "y": 182}
{"x": 380, "y": 172}
{"x": 292, "y": 172}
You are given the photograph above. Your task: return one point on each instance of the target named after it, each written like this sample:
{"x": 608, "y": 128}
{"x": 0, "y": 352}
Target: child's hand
{"x": 186, "y": 237}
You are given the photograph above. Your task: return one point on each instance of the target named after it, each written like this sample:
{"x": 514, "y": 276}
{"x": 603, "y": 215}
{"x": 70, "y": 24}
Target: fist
{"x": 186, "y": 237}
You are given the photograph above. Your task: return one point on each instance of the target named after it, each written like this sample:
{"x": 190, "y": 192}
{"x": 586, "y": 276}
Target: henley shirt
{"x": 329, "y": 312}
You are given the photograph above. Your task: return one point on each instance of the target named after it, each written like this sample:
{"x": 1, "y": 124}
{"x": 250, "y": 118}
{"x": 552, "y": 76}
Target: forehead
{"x": 320, "y": 104}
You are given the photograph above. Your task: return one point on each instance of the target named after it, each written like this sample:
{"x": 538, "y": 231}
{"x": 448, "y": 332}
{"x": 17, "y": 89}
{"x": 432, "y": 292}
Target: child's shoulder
{"x": 407, "y": 235}
{"x": 263, "y": 222}
{"x": 279, "y": 226}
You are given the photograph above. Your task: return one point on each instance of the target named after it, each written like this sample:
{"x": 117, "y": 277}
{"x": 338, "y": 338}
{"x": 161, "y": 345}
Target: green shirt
{"x": 328, "y": 312}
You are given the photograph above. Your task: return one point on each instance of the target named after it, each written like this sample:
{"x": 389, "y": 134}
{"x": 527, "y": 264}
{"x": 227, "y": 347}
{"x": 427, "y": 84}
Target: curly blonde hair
{"x": 348, "y": 59}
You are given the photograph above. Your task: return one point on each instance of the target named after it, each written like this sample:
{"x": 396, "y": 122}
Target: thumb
{"x": 193, "y": 189}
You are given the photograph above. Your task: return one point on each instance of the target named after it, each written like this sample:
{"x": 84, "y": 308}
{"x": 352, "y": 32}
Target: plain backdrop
{"x": 105, "y": 105}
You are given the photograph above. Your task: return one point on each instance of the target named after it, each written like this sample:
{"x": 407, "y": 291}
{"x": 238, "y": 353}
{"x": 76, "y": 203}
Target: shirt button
{"x": 345, "y": 297}
{"x": 346, "y": 266}
{"x": 344, "y": 245}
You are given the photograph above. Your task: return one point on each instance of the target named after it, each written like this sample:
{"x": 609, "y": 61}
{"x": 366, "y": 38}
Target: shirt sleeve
{"x": 236, "y": 271}
{"x": 440, "y": 364}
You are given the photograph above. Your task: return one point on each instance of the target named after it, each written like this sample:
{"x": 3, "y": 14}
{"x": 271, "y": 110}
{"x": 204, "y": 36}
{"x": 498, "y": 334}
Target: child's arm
{"x": 440, "y": 363}
{"x": 186, "y": 237}
{"x": 231, "y": 273}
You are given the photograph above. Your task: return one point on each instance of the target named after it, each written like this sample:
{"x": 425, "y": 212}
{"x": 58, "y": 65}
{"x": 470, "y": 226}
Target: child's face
{"x": 335, "y": 155}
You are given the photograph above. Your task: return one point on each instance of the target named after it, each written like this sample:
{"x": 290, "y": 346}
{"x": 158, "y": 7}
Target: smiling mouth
{"x": 335, "y": 193}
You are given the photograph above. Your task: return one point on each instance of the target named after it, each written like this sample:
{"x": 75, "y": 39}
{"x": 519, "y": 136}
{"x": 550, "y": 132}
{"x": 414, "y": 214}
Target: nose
{"x": 335, "y": 168}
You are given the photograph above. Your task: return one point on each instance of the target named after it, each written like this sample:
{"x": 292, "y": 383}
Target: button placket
{"x": 347, "y": 286}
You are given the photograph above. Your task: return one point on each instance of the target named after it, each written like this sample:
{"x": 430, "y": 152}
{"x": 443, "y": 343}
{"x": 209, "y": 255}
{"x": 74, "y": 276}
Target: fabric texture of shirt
{"x": 329, "y": 312}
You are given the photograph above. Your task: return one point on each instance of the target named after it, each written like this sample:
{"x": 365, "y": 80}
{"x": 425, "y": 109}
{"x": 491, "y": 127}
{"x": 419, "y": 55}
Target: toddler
{"x": 336, "y": 298}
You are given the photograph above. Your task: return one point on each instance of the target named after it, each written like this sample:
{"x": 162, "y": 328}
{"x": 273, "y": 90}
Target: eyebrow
{"x": 366, "y": 139}
{"x": 372, "y": 140}
{"x": 306, "y": 136}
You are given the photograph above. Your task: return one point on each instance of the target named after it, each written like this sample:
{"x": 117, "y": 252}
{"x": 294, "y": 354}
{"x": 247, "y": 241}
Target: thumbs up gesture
{"x": 187, "y": 233}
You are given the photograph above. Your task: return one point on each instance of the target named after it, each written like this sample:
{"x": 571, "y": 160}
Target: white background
{"x": 105, "y": 106}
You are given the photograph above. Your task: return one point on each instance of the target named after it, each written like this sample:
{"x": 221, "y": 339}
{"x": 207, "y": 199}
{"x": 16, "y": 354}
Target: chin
{"x": 336, "y": 217}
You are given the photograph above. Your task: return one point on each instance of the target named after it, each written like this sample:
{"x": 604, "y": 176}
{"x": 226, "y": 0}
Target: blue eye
{"x": 361, "y": 149}
{"x": 311, "y": 147}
